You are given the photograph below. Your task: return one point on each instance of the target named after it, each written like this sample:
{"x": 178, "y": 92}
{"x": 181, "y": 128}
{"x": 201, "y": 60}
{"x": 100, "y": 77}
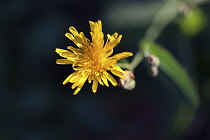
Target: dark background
{"x": 34, "y": 104}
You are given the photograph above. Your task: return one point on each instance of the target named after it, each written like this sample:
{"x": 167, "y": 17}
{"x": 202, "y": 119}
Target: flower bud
{"x": 128, "y": 82}
{"x": 152, "y": 63}
{"x": 153, "y": 72}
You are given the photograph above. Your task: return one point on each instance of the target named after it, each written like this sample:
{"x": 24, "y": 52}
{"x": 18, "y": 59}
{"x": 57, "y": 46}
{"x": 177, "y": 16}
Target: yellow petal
{"x": 69, "y": 36}
{"x": 99, "y": 80}
{"x": 75, "y": 78}
{"x": 92, "y": 26}
{"x": 73, "y": 30}
{"x": 95, "y": 85}
{"x": 76, "y": 91}
{"x": 67, "y": 54}
{"x": 93, "y": 36}
{"x": 90, "y": 78}
{"x": 96, "y": 33}
{"x": 115, "y": 35}
{"x": 57, "y": 50}
{"x": 78, "y": 88}
{"x": 64, "y": 61}
{"x": 78, "y": 40}
{"x": 121, "y": 56}
{"x": 100, "y": 25}
{"x": 75, "y": 37}
{"x": 84, "y": 39}
{"x": 80, "y": 80}
{"x": 117, "y": 73}
{"x": 76, "y": 51}
{"x": 112, "y": 41}
{"x": 116, "y": 67}
{"x": 67, "y": 79}
{"x": 104, "y": 79}
{"x": 95, "y": 26}
{"x": 110, "y": 78}
{"x": 77, "y": 83}
{"x": 109, "y": 53}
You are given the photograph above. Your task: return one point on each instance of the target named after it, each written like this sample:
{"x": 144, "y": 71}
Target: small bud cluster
{"x": 128, "y": 82}
{"x": 152, "y": 63}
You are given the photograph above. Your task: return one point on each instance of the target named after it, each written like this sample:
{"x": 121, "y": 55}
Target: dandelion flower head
{"x": 92, "y": 60}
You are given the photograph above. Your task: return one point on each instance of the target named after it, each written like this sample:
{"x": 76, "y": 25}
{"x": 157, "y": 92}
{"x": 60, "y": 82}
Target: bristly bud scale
{"x": 128, "y": 82}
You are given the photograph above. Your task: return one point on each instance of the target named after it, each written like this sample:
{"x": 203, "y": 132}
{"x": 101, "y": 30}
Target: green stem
{"x": 136, "y": 60}
{"x": 124, "y": 65}
{"x": 166, "y": 14}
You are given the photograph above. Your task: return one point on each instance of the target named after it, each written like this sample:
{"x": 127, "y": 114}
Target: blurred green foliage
{"x": 192, "y": 22}
{"x": 170, "y": 66}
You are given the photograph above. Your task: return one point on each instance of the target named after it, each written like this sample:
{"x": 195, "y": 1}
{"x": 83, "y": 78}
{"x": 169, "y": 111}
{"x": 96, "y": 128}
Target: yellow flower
{"x": 91, "y": 60}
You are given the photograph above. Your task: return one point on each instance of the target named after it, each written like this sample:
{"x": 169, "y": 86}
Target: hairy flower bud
{"x": 152, "y": 63}
{"x": 128, "y": 82}
{"x": 153, "y": 71}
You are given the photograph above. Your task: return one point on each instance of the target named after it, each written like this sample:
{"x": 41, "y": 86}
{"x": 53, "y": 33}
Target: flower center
{"x": 94, "y": 61}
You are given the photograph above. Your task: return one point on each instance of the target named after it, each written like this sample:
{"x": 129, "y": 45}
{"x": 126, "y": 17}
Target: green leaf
{"x": 170, "y": 66}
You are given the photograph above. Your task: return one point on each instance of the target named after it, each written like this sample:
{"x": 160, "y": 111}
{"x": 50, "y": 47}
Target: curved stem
{"x": 136, "y": 60}
{"x": 166, "y": 14}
